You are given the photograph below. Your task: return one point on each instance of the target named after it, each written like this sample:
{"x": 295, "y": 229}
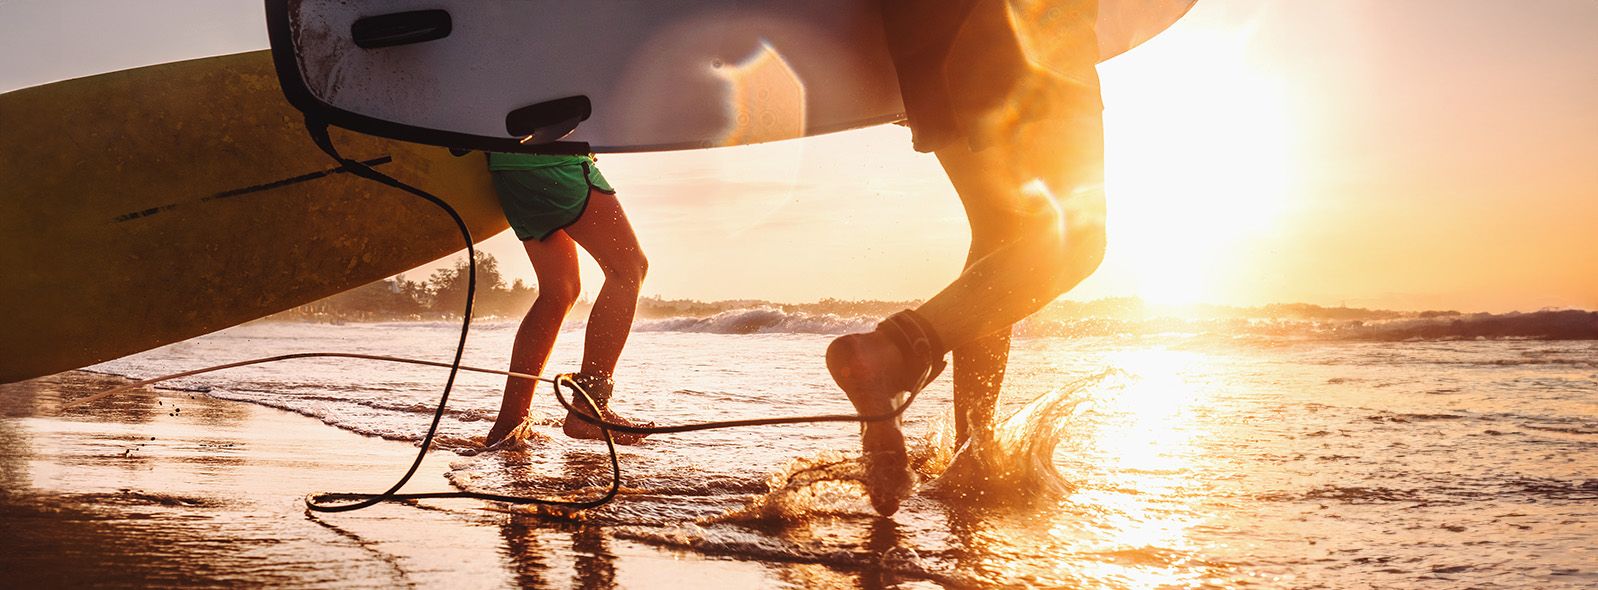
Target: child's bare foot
{"x": 598, "y": 388}
{"x": 508, "y": 429}
{"x": 864, "y": 365}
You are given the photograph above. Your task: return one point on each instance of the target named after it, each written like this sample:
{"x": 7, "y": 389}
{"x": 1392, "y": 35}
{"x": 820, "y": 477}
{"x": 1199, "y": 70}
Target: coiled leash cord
{"x": 319, "y": 502}
{"x": 318, "y": 132}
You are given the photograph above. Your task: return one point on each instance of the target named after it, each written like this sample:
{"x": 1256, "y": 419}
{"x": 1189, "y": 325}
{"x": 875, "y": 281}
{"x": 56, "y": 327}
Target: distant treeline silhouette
{"x": 442, "y": 295}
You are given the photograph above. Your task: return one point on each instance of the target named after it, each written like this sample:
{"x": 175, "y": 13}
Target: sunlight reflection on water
{"x": 1190, "y": 462}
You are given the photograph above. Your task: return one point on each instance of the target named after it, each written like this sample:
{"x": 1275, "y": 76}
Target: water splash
{"x": 826, "y": 484}
{"x": 1013, "y": 467}
{"x": 525, "y": 437}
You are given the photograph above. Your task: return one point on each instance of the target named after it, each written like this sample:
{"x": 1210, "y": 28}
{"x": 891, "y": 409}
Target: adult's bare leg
{"x": 979, "y": 365}
{"x": 978, "y": 375}
{"x": 555, "y": 263}
{"x": 1046, "y": 232}
{"x": 1037, "y": 200}
{"x": 1036, "y": 207}
{"x": 970, "y": 78}
{"x": 608, "y": 236}
{"x": 1047, "y": 188}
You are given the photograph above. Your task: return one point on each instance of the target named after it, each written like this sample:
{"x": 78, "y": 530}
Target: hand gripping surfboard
{"x": 611, "y": 75}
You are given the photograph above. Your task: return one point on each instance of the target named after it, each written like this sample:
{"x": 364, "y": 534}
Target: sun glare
{"x": 1197, "y": 160}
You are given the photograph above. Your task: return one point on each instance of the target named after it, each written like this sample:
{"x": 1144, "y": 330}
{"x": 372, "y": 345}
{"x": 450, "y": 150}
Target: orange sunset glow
{"x": 1343, "y": 334}
{"x": 1356, "y": 153}
{"x": 1256, "y": 153}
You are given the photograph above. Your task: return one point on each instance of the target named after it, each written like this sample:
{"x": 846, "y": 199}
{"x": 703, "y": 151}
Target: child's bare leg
{"x": 555, "y": 262}
{"x": 606, "y": 234}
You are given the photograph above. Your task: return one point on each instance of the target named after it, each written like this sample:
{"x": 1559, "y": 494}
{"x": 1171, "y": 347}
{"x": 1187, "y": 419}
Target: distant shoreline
{"x": 1071, "y": 319}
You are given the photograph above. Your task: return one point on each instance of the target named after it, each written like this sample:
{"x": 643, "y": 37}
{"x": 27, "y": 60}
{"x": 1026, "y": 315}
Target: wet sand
{"x": 176, "y": 489}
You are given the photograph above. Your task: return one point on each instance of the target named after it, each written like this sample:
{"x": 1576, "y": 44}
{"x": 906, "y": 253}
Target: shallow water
{"x": 1182, "y": 460}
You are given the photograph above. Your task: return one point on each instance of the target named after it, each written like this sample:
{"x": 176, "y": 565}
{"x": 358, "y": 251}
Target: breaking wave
{"x": 1426, "y": 326}
{"x": 761, "y": 320}
{"x": 1539, "y": 325}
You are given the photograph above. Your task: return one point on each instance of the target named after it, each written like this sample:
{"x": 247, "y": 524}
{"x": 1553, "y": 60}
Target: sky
{"x": 1427, "y": 154}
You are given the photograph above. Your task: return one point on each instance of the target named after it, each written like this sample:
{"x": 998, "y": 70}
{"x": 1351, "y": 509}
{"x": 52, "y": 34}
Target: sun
{"x": 1198, "y": 161}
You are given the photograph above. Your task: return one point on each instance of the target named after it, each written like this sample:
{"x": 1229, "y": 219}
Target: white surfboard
{"x": 616, "y": 75}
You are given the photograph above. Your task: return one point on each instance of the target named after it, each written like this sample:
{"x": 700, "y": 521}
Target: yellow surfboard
{"x": 147, "y": 206}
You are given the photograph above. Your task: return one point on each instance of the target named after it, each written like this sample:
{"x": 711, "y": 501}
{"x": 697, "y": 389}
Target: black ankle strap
{"x": 918, "y": 342}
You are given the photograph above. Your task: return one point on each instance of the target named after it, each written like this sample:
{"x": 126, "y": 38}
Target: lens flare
{"x": 765, "y": 98}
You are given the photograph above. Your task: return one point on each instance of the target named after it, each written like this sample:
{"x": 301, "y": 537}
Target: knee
{"x": 629, "y": 273}
{"x": 562, "y": 293}
{"x": 1082, "y": 236}
{"x": 1085, "y": 249}
{"x": 1067, "y": 257}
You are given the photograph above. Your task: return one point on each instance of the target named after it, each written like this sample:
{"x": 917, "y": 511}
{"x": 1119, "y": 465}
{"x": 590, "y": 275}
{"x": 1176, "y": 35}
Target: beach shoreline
{"x": 1277, "y": 464}
{"x": 176, "y": 488}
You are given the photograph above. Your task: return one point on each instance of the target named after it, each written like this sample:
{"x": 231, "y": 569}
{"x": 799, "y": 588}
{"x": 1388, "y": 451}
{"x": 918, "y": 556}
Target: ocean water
{"x": 1193, "y": 455}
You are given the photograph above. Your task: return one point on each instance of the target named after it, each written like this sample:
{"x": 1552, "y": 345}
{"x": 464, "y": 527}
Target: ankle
{"x": 914, "y": 336}
{"x": 508, "y": 420}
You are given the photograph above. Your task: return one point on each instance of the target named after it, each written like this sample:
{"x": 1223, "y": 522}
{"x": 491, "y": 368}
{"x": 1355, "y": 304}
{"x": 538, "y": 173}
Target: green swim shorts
{"x": 542, "y": 194}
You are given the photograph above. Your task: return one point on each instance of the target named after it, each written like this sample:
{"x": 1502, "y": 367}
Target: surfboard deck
{"x": 151, "y": 205}
{"x": 655, "y": 75}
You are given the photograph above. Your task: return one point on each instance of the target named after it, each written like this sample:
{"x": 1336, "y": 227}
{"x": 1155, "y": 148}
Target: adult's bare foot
{"x": 598, "y": 388}
{"x": 869, "y": 368}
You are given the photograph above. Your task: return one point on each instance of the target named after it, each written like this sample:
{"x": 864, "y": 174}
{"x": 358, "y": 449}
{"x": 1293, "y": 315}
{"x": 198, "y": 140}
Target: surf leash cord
{"x": 321, "y": 502}
{"x": 558, "y": 381}
{"x": 318, "y": 502}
